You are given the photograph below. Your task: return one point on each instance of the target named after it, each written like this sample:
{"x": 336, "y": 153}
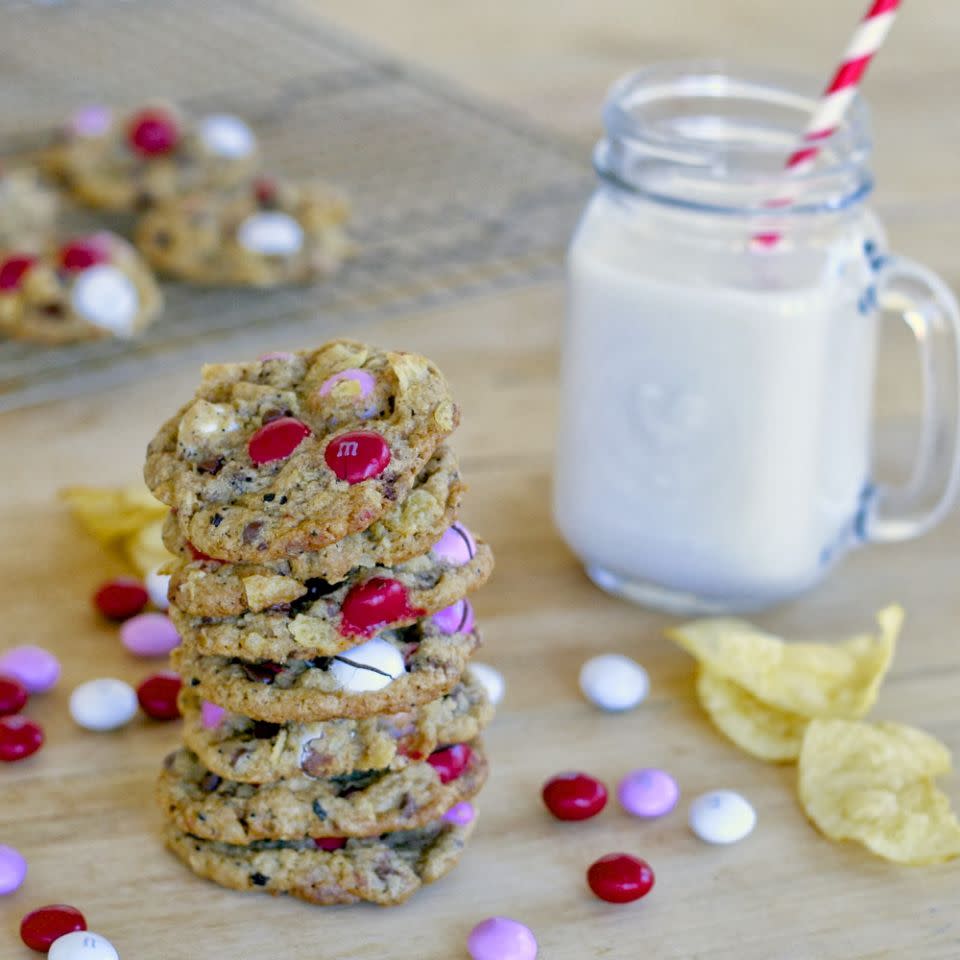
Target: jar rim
{"x": 701, "y": 174}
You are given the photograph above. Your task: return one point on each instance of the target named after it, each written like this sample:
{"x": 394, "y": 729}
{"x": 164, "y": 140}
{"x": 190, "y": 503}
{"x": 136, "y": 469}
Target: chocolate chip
{"x": 212, "y": 466}
{"x": 251, "y": 532}
{"x": 162, "y": 239}
{"x": 261, "y": 672}
{"x": 316, "y": 764}
{"x": 53, "y": 310}
{"x": 194, "y": 682}
{"x": 210, "y": 782}
{"x": 263, "y": 730}
{"x": 216, "y": 519}
{"x": 283, "y": 500}
{"x": 316, "y": 588}
{"x": 321, "y": 663}
{"x": 318, "y": 810}
{"x": 259, "y": 880}
{"x": 269, "y": 497}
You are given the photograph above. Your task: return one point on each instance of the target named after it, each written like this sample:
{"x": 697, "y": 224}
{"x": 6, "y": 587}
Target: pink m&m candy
{"x": 648, "y": 793}
{"x": 460, "y": 813}
{"x": 500, "y": 938}
{"x": 211, "y": 715}
{"x": 456, "y": 546}
{"x": 363, "y": 380}
{"x": 457, "y": 618}
{"x": 92, "y": 120}
{"x": 276, "y": 355}
{"x": 149, "y": 635}
{"x": 13, "y": 869}
{"x": 37, "y": 669}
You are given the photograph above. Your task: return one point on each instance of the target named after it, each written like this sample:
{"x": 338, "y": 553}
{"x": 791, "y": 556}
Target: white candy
{"x": 82, "y": 945}
{"x": 721, "y": 816}
{"x": 107, "y": 298}
{"x": 375, "y": 653}
{"x": 272, "y": 233}
{"x": 491, "y": 680}
{"x": 103, "y": 704}
{"x": 157, "y": 585}
{"x": 614, "y": 682}
{"x": 225, "y": 135}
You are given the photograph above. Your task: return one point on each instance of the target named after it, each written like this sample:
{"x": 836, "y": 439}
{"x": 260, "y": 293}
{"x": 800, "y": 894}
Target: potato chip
{"x": 873, "y": 783}
{"x": 810, "y": 679}
{"x": 111, "y": 514}
{"x": 145, "y": 549}
{"x": 757, "y": 728}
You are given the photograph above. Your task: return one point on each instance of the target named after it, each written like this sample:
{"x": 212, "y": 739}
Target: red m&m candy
{"x": 574, "y": 796}
{"x": 620, "y": 878}
{"x": 13, "y": 270}
{"x": 373, "y": 604}
{"x": 152, "y": 132}
{"x": 13, "y": 696}
{"x": 85, "y": 252}
{"x": 330, "y": 843}
{"x": 41, "y": 927}
{"x": 158, "y": 696}
{"x": 19, "y": 738}
{"x": 358, "y": 456}
{"x": 121, "y": 599}
{"x": 277, "y": 439}
{"x": 451, "y": 762}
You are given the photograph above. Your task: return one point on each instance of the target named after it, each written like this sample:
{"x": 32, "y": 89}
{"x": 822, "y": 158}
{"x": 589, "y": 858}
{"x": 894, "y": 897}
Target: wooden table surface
{"x": 81, "y": 810}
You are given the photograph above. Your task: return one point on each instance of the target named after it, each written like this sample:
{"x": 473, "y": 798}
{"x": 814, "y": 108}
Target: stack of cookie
{"x": 331, "y": 722}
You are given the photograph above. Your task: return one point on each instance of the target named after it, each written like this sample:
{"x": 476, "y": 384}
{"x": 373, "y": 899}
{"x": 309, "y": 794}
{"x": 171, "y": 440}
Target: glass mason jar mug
{"x": 715, "y": 434}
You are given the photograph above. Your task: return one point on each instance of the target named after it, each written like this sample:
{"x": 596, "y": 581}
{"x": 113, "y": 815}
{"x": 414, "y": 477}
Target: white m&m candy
{"x": 107, "y": 298}
{"x": 225, "y": 135}
{"x": 103, "y": 704}
{"x": 614, "y": 682}
{"x": 272, "y": 233}
{"x": 157, "y": 585}
{"x": 82, "y": 945}
{"x": 721, "y": 816}
{"x": 352, "y": 668}
{"x": 491, "y": 680}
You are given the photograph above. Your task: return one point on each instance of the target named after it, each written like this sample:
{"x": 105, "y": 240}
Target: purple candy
{"x": 211, "y": 716}
{"x": 149, "y": 635}
{"x": 363, "y": 379}
{"x": 500, "y": 938}
{"x": 456, "y": 546}
{"x": 457, "y": 618}
{"x": 13, "y": 869}
{"x": 92, "y": 120}
{"x": 648, "y": 793}
{"x": 460, "y": 813}
{"x": 37, "y": 669}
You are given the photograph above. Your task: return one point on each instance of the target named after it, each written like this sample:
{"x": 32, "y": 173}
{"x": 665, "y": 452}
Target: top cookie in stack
{"x": 321, "y": 600}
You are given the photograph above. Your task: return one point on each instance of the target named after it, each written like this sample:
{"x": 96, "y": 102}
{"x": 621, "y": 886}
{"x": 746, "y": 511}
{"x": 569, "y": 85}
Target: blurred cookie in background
{"x": 28, "y": 210}
{"x": 129, "y": 161}
{"x": 88, "y": 288}
{"x": 264, "y": 233}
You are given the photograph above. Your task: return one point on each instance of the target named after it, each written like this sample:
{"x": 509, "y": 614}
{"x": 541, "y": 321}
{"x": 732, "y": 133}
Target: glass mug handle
{"x": 930, "y": 310}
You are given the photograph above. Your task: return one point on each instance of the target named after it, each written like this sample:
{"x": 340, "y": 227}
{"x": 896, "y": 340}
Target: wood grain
{"x": 81, "y": 810}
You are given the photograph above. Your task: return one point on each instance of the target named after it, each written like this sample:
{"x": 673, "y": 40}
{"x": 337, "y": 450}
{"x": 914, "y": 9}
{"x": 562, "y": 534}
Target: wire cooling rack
{"x": 452, "y": 197}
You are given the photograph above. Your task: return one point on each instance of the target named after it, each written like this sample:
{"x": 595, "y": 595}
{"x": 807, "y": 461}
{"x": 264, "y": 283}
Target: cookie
{"x": 363, "y": 804}
{"x": 430, "y": 664}
{"x": 408, "y": 529}
{"x": 264, "y": 233}
{"x": 27, "y": 212}
{"x": 91, "y": 287}
{"x": 251, "y": 751}
{"x": 284, "y": 456}
{"x": 386, "y": 870}
{"x": 130, "y": 161}
{"x": 295, "y": 620}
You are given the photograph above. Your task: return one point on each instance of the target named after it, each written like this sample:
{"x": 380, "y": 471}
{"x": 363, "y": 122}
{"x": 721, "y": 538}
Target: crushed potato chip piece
{"x": 757, "y": 728}
{"x": 811, "y": 679}
{"x": 145, "y": 549}
{"x": 266, "y": 591}
{"x": 873, "y": 783}
{"x": 111, "y": 514}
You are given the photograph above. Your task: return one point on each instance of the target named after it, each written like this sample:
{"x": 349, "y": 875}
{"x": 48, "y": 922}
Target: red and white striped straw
{"x": 838, "y": 96}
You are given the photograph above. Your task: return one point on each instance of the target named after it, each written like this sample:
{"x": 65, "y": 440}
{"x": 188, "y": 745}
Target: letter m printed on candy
{"x": 357, "y": 456}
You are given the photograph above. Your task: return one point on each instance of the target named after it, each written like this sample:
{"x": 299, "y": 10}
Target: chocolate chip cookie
{"x": 264, "y": 233}
{"x": 28, "y": 210}
{"x": 284, "y": 456}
